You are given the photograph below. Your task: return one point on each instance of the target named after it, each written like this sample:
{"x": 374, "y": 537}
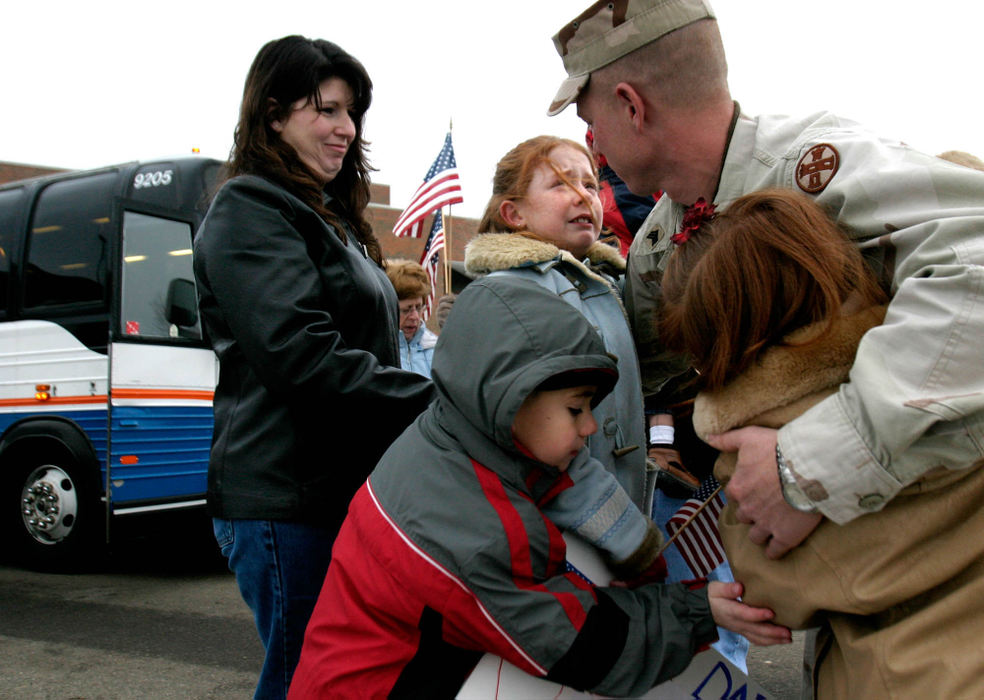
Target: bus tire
{"x": 52, "y": 509}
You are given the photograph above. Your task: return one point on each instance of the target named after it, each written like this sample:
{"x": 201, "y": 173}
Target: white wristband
{"x": 660, "y": 434}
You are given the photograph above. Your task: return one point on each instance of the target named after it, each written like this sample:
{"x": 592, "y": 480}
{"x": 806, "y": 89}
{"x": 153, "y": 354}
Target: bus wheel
{"x": 58, "y": 523}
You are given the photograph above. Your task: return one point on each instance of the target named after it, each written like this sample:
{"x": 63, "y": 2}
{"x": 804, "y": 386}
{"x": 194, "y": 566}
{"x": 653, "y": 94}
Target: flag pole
{"x": 689, "y": 520}
{"x": 447, "y": 236}
{"x": 447, "y": 252}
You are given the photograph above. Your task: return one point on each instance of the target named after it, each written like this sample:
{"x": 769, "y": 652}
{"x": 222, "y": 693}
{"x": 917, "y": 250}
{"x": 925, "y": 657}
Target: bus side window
{"x": 10, "y": 204}
{"x": 69, "y": 244}
{"x": 157, "y": 279}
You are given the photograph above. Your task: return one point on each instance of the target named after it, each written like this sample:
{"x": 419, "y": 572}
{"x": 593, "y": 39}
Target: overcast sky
{"x": 86, "y": 84}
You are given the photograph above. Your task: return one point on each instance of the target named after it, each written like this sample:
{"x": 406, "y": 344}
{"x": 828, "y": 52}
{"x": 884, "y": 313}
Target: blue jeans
{"x": 732, "y": 646}
{"x": 279, "y": 567}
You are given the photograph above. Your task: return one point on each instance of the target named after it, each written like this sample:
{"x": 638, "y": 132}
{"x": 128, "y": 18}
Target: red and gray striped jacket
{"x": 446, "y": 553}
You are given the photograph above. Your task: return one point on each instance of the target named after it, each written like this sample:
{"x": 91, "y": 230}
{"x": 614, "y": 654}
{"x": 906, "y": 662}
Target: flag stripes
{"x": 430, "y": 259}
{"x": 699, "y": 542}
{"x": 441, "y": 187}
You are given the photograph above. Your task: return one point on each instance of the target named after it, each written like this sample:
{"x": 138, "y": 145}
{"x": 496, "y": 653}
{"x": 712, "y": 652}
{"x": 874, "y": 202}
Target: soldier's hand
{"x": 775, "y": 525}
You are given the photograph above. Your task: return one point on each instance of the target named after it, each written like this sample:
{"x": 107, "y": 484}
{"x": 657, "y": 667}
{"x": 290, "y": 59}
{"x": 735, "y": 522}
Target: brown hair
{"x": 771, "y": 263}
{"x": 514, "y": 173}
{"x": 409, "y": 279}
{"x": 963, "y": 158}
{"x": 284, "y": 71}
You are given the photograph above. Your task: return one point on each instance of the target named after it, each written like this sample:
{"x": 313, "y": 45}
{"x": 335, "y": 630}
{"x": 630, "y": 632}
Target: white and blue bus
{"x": 105, "y": 382}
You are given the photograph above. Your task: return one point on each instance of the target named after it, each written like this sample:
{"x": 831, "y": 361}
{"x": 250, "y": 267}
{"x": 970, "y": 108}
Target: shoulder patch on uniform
{"x": 817, "y": 167}
{"x": 652, "y": 238}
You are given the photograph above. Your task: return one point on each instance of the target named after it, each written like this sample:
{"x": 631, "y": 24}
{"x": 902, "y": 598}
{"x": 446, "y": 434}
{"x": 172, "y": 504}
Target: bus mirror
{"x": 182, "y": 303}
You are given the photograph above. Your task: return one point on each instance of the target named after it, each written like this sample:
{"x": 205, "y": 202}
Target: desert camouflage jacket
{"x": 915, "y": 394}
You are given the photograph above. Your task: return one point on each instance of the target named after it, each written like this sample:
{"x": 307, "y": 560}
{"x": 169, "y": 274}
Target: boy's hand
{"x": 751, "y": 623}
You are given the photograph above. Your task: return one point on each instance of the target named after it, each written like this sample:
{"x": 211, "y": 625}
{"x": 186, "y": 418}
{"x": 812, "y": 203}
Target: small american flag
{"x": 430, "y": 258}
{"x": 440, "y": 187}
{"x": 699, "y": 542}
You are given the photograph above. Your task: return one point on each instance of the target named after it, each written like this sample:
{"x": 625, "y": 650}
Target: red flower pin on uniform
{"x": 694, "y": 215}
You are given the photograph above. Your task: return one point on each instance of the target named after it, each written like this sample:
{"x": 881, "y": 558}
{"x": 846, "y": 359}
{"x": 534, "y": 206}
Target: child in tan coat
{"x": 771, "y": 301}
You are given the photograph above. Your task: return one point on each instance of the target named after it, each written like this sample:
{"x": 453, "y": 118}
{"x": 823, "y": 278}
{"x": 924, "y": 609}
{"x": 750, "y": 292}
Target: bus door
{"x": 162, "y": 374}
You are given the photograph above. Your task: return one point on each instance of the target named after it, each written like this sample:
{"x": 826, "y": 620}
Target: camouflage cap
{"x": 608, "y": 30}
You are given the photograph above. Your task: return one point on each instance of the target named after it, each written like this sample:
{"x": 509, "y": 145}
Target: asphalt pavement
{"x": 162, "y": 618}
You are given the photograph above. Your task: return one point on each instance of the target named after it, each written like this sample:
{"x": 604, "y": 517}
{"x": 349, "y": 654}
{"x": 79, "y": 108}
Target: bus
{"x": 105, "y": 381}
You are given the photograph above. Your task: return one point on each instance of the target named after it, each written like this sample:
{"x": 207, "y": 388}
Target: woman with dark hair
{"x": 771, "y": 301}
{"x": 303, "y": 319}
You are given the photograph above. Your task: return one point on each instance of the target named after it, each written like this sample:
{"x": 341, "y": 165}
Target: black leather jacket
{"x": 305, "y": 327}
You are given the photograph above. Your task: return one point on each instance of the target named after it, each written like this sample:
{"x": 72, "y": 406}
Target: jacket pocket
{"x": 225, "y": 535}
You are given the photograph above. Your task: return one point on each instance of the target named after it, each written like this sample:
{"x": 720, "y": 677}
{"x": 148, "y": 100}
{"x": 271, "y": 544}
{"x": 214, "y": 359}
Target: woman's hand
{"x": 752, "y": 623}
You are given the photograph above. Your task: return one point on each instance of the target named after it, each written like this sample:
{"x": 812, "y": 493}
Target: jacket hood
{"x": 490, "y": 252}
{"x": 503, "y": 338}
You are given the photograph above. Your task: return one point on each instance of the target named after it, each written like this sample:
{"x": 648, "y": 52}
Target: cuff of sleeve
{"x": 625, "y": 536}
{"x": 705, "y": 629}
{"x": 832, "y": 464}
{"x": 642, "y": 558}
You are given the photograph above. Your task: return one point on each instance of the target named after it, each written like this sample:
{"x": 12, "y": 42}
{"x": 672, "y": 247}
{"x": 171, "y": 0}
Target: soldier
{"x": 650, "y": 78}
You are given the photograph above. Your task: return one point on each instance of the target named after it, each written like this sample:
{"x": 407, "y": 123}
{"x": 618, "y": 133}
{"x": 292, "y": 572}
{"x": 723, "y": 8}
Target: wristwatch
{"x": 791, "y": 491}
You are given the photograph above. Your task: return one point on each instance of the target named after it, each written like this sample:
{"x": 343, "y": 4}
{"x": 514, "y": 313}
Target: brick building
{"x": 9, "y": 172}
{"x": 383, "y": 216}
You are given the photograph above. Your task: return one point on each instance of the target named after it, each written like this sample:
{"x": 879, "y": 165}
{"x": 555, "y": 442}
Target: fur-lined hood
{"x": 786, "y": 380}
{"x": 490, "y": 252}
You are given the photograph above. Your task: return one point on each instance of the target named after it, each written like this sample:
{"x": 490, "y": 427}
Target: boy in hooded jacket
{"x": 447, "y": 553}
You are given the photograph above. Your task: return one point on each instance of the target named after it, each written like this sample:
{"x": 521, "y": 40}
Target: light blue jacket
{"x": 417, "y": 354}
